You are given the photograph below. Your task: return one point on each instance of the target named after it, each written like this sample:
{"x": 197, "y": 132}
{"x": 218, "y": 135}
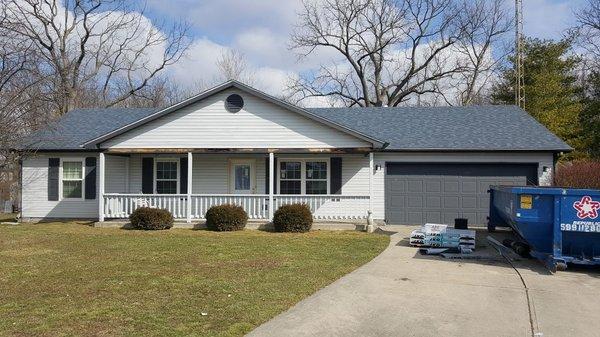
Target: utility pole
{"x": 519, "y": 76}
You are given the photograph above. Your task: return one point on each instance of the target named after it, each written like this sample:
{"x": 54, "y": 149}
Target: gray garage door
{"x": 439, "y": 193}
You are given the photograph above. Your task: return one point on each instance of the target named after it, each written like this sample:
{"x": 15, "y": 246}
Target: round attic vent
{"x": 234, "y": 103}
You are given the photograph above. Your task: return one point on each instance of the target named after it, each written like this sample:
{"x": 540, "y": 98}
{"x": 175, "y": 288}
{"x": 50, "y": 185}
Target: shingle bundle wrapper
{"x": 440, "y": 236}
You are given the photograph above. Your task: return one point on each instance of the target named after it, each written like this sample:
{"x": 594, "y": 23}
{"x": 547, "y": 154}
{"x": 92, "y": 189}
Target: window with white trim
{"x": 166, "y": 176}
{"x": 303, "y": 176}
{"x": 290, "y": 177}
{"x": 72, "y": 179}
{"x": 316, "y": 177}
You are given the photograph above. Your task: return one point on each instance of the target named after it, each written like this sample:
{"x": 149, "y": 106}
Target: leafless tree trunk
{"x": 390, "y": 50}
{"x": 587, "y": 29}
{"x": 232, "y": 65}
{"x": 487, "y": 22}
{"x": 103, "y": 46}
{"x": 22, "y": 106}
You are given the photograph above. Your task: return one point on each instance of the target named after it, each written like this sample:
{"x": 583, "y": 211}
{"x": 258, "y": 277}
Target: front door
{"x": 242, "y": 177}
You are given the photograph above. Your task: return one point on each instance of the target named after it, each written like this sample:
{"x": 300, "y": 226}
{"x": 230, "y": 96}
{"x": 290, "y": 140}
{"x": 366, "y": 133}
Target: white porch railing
{"x": 328, "y": 207}
{"x": 122, "y": 205}
{"x": 323, "y": 207}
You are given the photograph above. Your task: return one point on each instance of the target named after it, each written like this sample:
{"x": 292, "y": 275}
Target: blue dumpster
{"x": 562, "y": 225}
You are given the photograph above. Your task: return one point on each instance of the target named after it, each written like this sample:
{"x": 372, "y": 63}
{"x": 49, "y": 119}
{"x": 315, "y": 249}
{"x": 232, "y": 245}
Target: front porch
{"x": 336, "y": 186}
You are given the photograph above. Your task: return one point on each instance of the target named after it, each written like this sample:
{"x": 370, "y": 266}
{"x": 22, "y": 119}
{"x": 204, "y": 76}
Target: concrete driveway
{"x": 402, "y": 293}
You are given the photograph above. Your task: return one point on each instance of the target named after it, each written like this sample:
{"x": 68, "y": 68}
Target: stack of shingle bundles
{"x": 435, "y": 235}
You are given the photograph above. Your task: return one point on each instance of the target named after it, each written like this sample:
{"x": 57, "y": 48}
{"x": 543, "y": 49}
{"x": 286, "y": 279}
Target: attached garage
{"x": 440, "y": 161}
{"x": 417, "y": 193}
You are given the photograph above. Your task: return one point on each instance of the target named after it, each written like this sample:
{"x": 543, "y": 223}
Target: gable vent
{"x": 234, "y": 103}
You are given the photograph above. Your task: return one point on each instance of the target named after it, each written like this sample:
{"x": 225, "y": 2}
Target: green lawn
{"x": 65, "y": 279}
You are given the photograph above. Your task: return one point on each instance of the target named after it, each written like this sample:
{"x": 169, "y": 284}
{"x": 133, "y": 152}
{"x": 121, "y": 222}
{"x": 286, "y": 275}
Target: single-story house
{"x": 236, "y": 144}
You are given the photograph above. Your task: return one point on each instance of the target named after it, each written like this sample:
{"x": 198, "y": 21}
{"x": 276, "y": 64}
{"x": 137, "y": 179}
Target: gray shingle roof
{"x": 474, "y": 128}
{"x": 485, "y": 128}
{"x": 81, "y": 125}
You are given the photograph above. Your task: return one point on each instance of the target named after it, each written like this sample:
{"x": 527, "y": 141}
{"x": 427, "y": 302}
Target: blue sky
{"x": 260, "y": 30}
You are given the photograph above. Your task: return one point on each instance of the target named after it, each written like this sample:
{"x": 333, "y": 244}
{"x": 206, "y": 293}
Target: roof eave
{"x": 476, "y": 150}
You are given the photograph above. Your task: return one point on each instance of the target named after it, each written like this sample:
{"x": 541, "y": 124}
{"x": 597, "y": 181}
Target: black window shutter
{"x": 53, "y": 165}
{"x": 274, "y": 182}
{"x": 90, "y": 178}
{"x": 147, "y": 175}
{"x": 267, "y": 183}
{"x": 275, "y": 175}
{"x": 335, "y": 183}
{"x": 183, "y": 168}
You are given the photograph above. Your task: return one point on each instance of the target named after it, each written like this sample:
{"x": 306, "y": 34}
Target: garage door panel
{"x": 468, "y": 201}
{"x": 434, "y": 217}
{"x": 451, "y": 186}
{"x": 433, "y": 186}
{"x": 398, "y": 186}
{"x": 433, "y": 201}
{"x": 415, "y": 217}
{"x": 448, "y": 217}
{"x": 398, "y": 201}
{"x": 419, "y": 193}
{"x": 468, "y": 185}
{"x": 451, "y": 202}
{"x": 415, "y": 186}
{"x": 415, "y": 201}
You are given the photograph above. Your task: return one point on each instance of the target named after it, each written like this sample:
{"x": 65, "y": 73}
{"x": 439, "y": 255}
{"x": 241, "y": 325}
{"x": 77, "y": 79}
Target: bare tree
{"x": 587, "y": 29}
{"x": 487, "y": 22}
{"x": 391, "y": 50}
{"x": 22, "y": 106}
{"x": 232, "y": 65}
{"x": 21, "y": 101}
{"x": 106, "y": 47}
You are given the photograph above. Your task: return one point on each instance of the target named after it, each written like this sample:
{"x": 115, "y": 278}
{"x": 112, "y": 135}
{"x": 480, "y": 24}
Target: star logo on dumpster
{"x": 587, "y": 208}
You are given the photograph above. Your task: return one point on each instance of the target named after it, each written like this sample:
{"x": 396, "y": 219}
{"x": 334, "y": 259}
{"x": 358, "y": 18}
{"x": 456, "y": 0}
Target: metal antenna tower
{"x": 519, "y": 76}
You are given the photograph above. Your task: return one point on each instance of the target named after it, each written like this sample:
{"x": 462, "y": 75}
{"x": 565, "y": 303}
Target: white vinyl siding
{"x": 260, "y": 124}
{"x": 211, "y": 176}
{"x": 35, "y": 201}
{"x": 115, "y": 180}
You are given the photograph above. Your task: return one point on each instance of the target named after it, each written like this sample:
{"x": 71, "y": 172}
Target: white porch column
{"x": 371, "y": 166}
{"x": 101, "y": 187}
{"x": 271, "y": 187}
{"x": 190, "y": 167}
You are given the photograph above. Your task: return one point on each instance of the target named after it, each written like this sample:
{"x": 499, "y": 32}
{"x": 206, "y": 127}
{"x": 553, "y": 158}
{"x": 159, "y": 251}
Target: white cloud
{"x": 199, "y": 69}
{"x": 272, "y": 81}
{"x": 199, "y": 63}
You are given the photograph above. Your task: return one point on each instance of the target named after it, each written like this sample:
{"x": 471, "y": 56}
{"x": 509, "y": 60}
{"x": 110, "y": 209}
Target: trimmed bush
{"x": 151, "y": 219}
{"x": 579, "y": 174}
{"x": 293, "y": 218}
{"x": 226, "y": 218}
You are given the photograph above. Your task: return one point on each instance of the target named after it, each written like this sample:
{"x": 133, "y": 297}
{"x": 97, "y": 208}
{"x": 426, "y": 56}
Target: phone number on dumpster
{"x": 581, "y": 226}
